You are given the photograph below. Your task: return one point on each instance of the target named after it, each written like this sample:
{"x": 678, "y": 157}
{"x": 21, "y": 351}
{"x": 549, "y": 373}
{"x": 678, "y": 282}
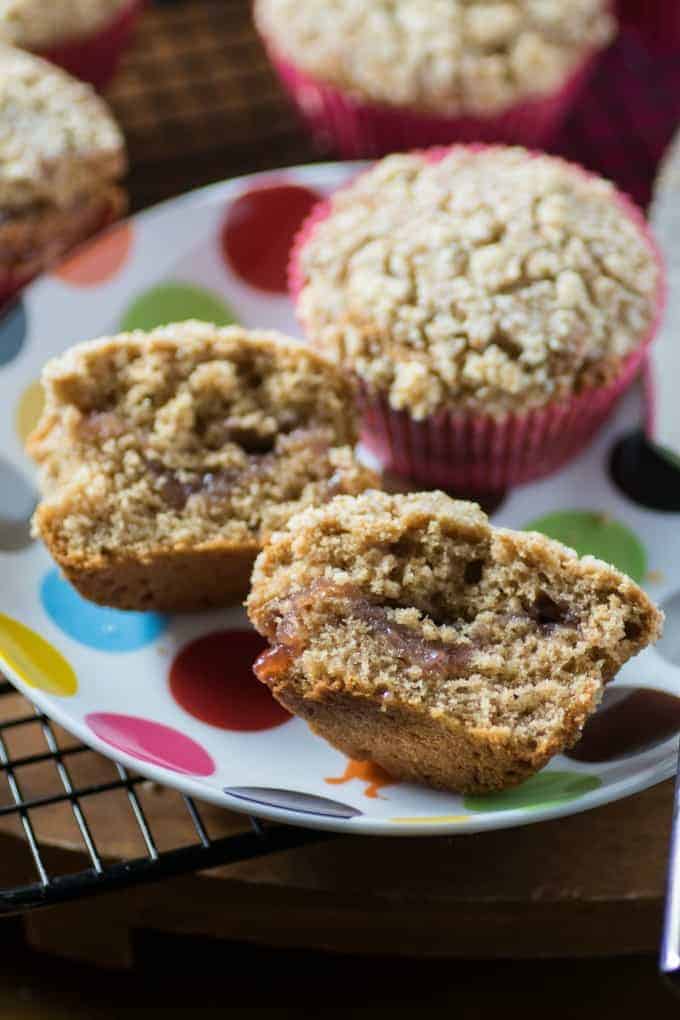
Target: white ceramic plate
{"x": 174, "y": 698}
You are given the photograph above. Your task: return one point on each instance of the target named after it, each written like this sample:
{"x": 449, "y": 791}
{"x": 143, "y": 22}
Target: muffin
{"x": 85, "y": 37}
{"x": 407, "y": 631}
{"x": 61, "y": 157}
{"x": 492, "y": 303}
{"x": 372, "y": 78}
{"x": 656, "y": 22}
{"x": 166, "y": 457}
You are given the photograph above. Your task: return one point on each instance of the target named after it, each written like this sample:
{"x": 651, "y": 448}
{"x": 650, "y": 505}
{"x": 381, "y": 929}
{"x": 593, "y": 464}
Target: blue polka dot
{"x": 107, "y": 630}
{"x": 13, "y": 329}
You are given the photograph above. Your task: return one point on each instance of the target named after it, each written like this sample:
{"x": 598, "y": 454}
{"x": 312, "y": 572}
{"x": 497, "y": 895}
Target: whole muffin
{"x": 167, "y": 457}
{"x": 492, "y": 303}
{"x": 61, "y": 157}
{"x": 371, "y": 78}
{"x": 85, "y": 37}
{"x": 409, "y": 632}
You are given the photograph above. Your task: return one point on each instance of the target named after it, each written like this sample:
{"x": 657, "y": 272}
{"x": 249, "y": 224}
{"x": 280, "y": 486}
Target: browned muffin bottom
{"x": 32, "y": 240}
{"x": 167, "y": 457}
{"x": 408, "y": 631}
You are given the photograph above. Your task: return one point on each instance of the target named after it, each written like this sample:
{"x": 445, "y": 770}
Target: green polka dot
{"x": 175, "y": 302}
{"x": 540, "y": 791}
{"x": 596, "y": 534}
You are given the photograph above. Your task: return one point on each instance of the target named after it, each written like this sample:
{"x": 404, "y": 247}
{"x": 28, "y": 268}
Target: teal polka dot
{"x": 589, "y": 532}
{"x": 107, "y": 630}
{"x": 175, "y": 302}
{"x": 13, "y": 330}
{"x": 543, "y": 790}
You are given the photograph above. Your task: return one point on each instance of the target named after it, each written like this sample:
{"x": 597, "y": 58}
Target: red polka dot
{"x": 100, "y": 260}
{"x": 259, "y": 230}
{"x": 152, "y": 742}
{"x": 212, "y": 679}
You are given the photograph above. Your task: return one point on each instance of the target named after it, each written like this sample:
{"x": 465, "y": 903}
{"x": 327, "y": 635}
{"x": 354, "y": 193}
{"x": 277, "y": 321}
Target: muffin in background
{"x": 657, "y": 22}
{"x": 61, "y": 158}
{"x": 373, "y": 78}
{"x": 85, "y": 37}
{"x": 492, "y": 303}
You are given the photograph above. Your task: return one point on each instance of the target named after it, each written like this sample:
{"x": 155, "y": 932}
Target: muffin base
{"x": 357, "y": 129}
{"x": 17, "y": 273}
{"x": 171, "y": 580}
{"x": 95, "y": 58}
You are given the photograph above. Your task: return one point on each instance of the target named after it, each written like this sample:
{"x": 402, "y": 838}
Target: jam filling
{"x": 436, "y": 659}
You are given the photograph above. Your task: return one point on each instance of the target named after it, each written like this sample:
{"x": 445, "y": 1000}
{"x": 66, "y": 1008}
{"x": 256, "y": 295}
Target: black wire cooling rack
{"x": 49, "y": 888}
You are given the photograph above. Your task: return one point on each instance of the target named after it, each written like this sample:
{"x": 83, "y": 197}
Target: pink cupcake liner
{"x": 472, "y": 453}
{"x": 657, "y": 22}
{"x": 340, "y": 121}
{"x": 94, "y": 58}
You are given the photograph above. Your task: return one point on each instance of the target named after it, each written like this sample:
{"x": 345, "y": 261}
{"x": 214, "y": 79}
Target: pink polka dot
{"x": 259, "y": 230}
{"x": 151, "y": 742}
{"x": 100, "y": 260}
{"x": 212, "y": 679}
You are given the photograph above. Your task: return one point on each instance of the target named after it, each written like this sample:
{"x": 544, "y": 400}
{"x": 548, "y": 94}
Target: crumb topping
{"x": 58, "y": 139}
{"x": 43, "y": 23}
{"x": 489, "y": 280}
{"x": 443, "y": 56}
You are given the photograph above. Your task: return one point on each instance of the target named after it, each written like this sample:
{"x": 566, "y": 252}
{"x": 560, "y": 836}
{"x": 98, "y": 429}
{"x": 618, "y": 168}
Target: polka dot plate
{"x": 174, "y": 698}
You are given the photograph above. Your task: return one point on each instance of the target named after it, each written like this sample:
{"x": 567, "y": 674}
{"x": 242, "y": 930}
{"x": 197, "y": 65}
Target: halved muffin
{"x": 409, "y": 632}
{"x": 166, "y": 457}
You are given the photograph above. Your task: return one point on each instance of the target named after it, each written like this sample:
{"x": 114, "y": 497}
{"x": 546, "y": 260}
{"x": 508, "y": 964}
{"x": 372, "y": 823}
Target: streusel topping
{"x": 443, "y": 56}
{"x": 58, "y": 140}
{"x": 43, "y": 23}
{"x": 491, "y": 280}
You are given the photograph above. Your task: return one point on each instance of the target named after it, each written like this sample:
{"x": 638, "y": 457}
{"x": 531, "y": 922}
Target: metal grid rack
{"x": 102, "y": 875}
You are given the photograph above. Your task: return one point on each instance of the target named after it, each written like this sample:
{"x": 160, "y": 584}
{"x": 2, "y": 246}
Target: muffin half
{"x": 167, "y": 457}
{"x": 409, "y": 632}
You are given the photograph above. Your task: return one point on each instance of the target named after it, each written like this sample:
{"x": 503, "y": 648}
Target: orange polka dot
{"x": 29, "y": 409}
{"x": 100, "y": 260}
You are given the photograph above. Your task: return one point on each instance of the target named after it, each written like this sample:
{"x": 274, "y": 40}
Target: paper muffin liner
{"x": 476, "y": 453}
{"x": 94, "y": 58}
{"x": 657, "y": 22}
{"x": 357, "y": 129}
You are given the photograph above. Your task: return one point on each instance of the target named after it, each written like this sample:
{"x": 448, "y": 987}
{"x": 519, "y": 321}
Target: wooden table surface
{"x": 199, "y": 103}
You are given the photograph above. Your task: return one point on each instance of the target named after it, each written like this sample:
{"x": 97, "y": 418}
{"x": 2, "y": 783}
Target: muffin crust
{"x": 37, "y": 24}
{"x": 443, "y": 56}
{"x": 485, "y": 279}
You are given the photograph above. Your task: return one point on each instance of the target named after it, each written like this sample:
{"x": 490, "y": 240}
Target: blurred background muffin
{"x": 374, "y": 78}
{"x": 61, "y": 158}
{"x": 492, "y": 303}
{"x": 85, "y": 37}
{"x": 657, "y": 22}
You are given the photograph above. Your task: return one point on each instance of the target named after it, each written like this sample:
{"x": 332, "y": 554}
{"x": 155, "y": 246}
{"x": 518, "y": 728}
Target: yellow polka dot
{"x": 29, "y": 409}
{"x": 431, "y": 819}
{"x": 34, "y": 660}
